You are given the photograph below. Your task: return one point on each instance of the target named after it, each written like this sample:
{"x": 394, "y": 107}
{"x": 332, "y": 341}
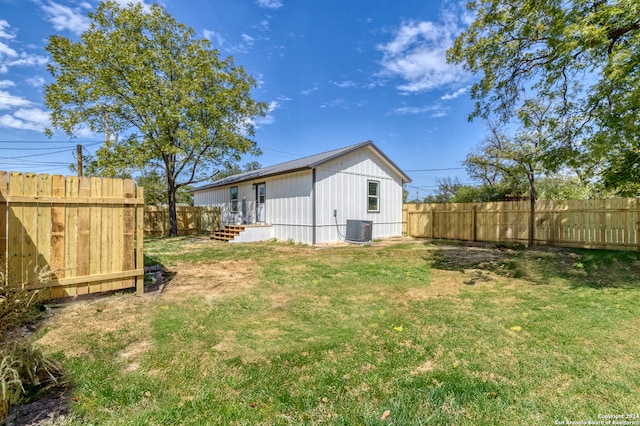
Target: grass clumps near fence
{"x": 25, "y": 372}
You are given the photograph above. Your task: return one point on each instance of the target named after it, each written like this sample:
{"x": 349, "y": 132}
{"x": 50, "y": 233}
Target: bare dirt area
{"x": 211, "y": 280}
{"x": 459, "y": 258}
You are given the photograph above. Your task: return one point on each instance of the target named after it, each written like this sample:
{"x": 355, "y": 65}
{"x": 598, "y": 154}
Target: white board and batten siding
{"x": 342, "y": 184}
{"x": 289, "y": 207}
{"x": 221, "y": 197}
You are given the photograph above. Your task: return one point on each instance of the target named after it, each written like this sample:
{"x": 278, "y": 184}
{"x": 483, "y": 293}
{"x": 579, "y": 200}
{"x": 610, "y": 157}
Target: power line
{"x": 30, "y": 162}
{"x": 34, "y": 155}
{"x": 74, "y": 142}
{"x": 33, "y": 149}
{"x": 435, "y": 170}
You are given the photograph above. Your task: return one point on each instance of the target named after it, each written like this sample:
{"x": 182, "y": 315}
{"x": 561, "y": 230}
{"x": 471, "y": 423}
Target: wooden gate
{"x": 70, "y": 236}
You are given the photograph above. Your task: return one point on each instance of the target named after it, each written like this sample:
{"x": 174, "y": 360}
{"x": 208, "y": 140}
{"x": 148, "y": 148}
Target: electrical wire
{"x": 74, "y": 142}
{"x": 340, "y": 236}
{"x": 435, "y": 170}
{"x": 31, "y": 148}
{"x": 34, "y": 155}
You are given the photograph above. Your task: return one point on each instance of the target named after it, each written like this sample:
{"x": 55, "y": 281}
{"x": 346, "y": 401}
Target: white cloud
{"x": 66, "y": 18}
{"x": 248, "y": 40}
{"x": 36, "y": 81}
{"x": 455, "y": 94}
{"x": 28, "y": 60}
{"x": 6, "y": 51}
{"x": 417, "y": 54}
{"x": 8, "y": 101}
{"x": 220, "y": 42}
{"x": 435, "y": 110}
{"x": 269, "y": 118}
{"x": 440, "y": 113}
{"x": 342, "y": 104}
{"x": 6, "y": 83}
{"x": 213, "y": 36}
{"x": 269, "y": 4}
{"x": 26, "y": 119}
{"x": 347, "y": 84}
{"x": 315, "y": 88}
{"x": 4, "y": 26}
{"x": 9, "y": 57}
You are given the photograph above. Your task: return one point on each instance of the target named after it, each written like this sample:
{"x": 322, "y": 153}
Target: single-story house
{"x": 313, "y": 199}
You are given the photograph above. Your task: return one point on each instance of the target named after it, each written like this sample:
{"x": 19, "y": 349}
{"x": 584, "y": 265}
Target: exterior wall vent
{"x": 359, "y": 231}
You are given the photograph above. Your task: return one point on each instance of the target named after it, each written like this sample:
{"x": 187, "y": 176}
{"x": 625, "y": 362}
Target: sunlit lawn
{"x": 399, "y": 333}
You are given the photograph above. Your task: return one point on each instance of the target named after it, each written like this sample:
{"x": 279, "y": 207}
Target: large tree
{"x": 583, "y": 55}
{"x": 164, "y": 99}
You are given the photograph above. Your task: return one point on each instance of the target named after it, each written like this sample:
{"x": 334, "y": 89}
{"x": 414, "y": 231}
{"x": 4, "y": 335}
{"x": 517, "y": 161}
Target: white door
{"x": 261, "y": 197}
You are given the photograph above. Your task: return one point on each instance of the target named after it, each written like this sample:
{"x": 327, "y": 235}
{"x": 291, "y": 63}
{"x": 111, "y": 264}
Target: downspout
{"x": 313, "y": 206}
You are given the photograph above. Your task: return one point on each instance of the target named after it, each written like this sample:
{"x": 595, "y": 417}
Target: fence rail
{"x": 612, "y": 224}
{"x": 191, "y": 220}
{"x": 68, "y": 235}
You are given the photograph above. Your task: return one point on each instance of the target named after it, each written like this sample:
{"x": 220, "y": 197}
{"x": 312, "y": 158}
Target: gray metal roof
{"x": 304, "y": 163}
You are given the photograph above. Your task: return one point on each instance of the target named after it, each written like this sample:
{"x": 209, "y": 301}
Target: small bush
{"x": 24, "y": 370}
{"x": 10, "y": 383}
{"x": 18, "y": 308}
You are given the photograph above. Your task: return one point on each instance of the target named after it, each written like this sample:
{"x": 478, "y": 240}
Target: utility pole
{"x": 79, "y": 155}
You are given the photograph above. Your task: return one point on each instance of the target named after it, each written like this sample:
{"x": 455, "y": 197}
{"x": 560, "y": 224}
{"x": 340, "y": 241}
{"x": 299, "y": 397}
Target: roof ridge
{"x": 303, "y": 163}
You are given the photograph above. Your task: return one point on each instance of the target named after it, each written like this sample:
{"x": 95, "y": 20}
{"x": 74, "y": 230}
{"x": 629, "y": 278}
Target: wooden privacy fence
{"x": 70, "y": 236}
{"x": 191, "y": 220}
{"x": 612, "y": 224}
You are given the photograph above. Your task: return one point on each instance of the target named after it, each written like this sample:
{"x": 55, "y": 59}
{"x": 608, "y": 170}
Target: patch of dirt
{"x": 101, "y": 315}
{"x": 133, "y": 352}
{"x": 211, "y": 280}
{"x": 459, "y": 258}
{"x": 443, "y": 283}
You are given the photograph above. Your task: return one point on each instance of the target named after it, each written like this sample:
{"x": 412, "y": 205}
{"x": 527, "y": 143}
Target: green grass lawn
{"x": 401, "y": 333}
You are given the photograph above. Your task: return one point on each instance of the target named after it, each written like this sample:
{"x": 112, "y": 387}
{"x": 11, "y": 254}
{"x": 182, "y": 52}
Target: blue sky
{"x": 334, "y": 73}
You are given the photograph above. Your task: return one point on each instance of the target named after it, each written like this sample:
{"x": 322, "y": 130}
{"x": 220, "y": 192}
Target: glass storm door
{"x": 261, "y": 197}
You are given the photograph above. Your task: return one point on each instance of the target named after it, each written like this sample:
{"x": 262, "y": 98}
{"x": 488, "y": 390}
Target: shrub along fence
{"x": 611, "y": 224}
{"x": 191, "y": 220}
{"x": 70, "y": 236}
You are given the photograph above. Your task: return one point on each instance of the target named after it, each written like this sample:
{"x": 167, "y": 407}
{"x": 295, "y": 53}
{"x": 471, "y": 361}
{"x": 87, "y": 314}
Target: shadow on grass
{"x": 156, "y": 275}
{"x": 579, "y": 268}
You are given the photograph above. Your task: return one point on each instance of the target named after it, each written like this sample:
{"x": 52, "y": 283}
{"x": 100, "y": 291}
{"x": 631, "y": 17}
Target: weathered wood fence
{"x": 70, "y": 236}
{"x": 611, "y": 224}
{"x": 191, "y": 220}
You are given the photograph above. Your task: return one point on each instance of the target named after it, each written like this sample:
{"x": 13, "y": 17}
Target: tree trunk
{"x": 173, "y": 220}
{"x": 532, "y": 211}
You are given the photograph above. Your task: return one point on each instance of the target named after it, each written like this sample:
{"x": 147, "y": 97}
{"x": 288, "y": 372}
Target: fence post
{"x": 3, "y": 226}
{"x": 140, "y": 241}
{"x": 432, "y": 220}
{"x": 638, "y": 224}
{"x": 473, "y": 224}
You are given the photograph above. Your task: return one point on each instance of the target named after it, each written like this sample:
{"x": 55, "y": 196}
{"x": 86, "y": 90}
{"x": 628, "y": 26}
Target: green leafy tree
{"x": 234, "y": 169}
{"x": 155, "y": 189}
{"x": 582, "y": 55}
{"x": 481, "y": 193}
{"x": 565, "y": 187}
{"x": 164, "y": 99}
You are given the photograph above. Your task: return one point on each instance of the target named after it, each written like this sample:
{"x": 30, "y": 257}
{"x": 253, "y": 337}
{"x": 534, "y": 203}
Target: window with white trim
{"x": 234, "y": 199}
{"x": 373, "y": 198}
